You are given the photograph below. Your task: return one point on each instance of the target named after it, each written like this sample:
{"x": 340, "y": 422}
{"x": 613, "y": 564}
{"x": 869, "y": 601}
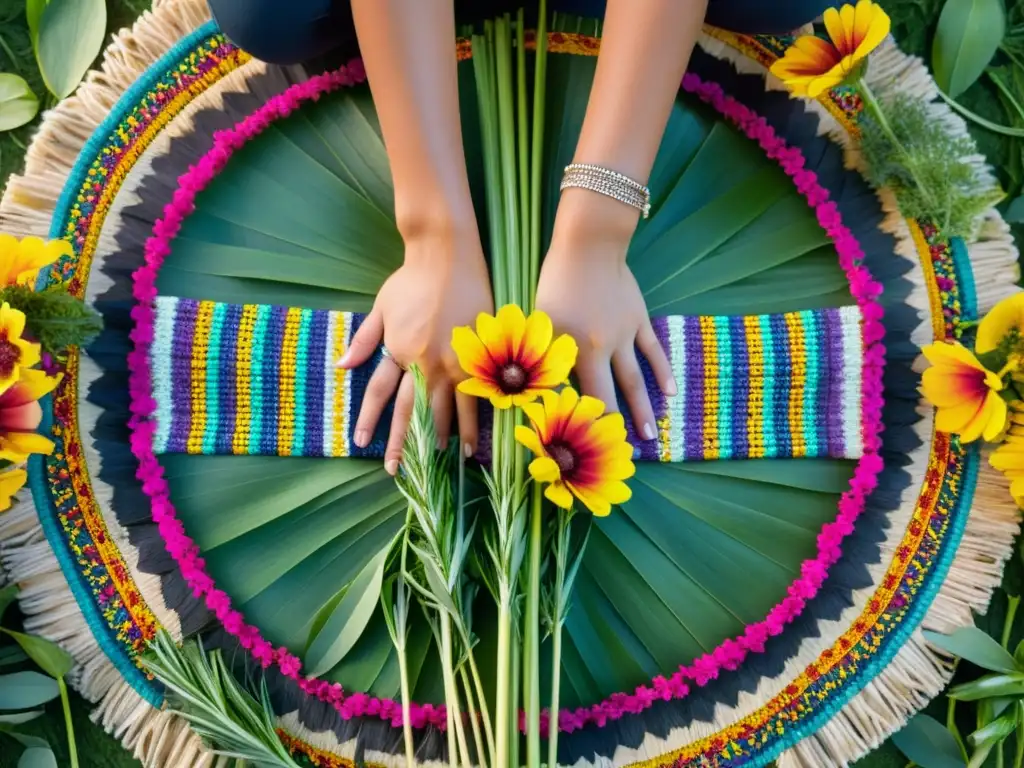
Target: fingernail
{"x": 440, "y": 443}
{"x": 344, "y": 360}
{"x": 391, "y": 467}
{"x": 467, "y": 451}
{"x": 649, "y": 432}
{"x": 670, "y": 388}
{"x": 362, "y": 438}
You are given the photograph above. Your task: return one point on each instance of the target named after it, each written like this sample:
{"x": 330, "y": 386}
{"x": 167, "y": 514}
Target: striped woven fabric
{"x": 259, "y": 379}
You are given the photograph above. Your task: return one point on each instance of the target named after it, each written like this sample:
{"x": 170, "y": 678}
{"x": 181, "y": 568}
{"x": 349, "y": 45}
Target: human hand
{"x": 590, "y": 293}
{"x": 443, "y": 283}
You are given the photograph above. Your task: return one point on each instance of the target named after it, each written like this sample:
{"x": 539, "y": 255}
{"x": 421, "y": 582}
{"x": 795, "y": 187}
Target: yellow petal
{"x": 17, "y": 446}
{"x": 11, "y": 482}
{"x": 616, "y": 492}
{"x": 35, "y": 383}
{"x": 526, "y": 396}
{"x": 529, "y": 439}
{"x": 561, "y": 410}
{"x": 1017, "y": 491}
{"x": 587, "y": 409}
{"x": 488, "y": 329}
{"x": 479, "y": 388}
{"x": 12, "y": 320}
{"x": 951, "y": 354}
{"x": 554, "y": 369}
{"x": 559, "y": 495}
{"x": 536, "y": 339}
{"x": 544, "y": 470}
{"x": 825, "y": 82}
{"x": 597, "y": 504}
{"x": 512, "y": 322}
{"x": 1002, "y": 319}
{"x": 536, "y": 414}
{"x": 996, "y": 418}
{"x": 944, "y": 389}
{"x": 870, "y": 28}
{"x": 473, "y": 356}
{"x": 29, "y": 352}
{"x": 956, "y": 418}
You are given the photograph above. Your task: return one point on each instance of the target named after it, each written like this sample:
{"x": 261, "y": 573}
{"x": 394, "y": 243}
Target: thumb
{"x": 364, "y": 342}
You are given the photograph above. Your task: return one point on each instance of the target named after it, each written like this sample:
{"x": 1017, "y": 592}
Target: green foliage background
{"x": 913, "y": 26}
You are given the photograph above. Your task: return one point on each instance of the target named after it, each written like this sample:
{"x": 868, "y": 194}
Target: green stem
{"x": 10, "y": 55}
{"x": 876, "y": 109}
{"x": 537, "y": 157}
{"x": 507, "y": 133}
{"x": 503, "y": 702}
{"x": 485, "y": 710}
{"x": 951, "y": 727}
{"x": 483, "y": 69}
{"x": 472, "y": 714}
{"x": 513, "y": 722}
{"x": 66, "y": 704}
{"x": 410, "y": 747}
{"x": 533, "y": 632}
{"x": 983, "y": 122}
{"x": 561, "y": 560}
{"x": 456, "y": 737}
{"x": 1018, "y": 758}
{"x": 524, "y": 149}
{"x": 1012, "y": 603}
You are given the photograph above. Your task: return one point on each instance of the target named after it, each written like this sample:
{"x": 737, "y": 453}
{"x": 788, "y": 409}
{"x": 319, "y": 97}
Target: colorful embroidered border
{"x": 61, "y": 486}
{"x": 767, "y": 386}
{"x": 945, "y": 538}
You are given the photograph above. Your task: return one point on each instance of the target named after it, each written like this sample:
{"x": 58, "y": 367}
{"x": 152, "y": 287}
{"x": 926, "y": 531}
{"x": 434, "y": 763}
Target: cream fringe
{"x": 919, "y": 672}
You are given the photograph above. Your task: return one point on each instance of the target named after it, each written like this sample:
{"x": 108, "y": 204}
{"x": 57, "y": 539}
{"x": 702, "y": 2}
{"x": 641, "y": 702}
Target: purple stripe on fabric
{"x": 645, "y": 450}
{"x": 658, "y": 399}
{"x": 181, "y": 375}
{"x": 739, "y": 379}
{"x": 228, "y": 377}
{"x": 693, "y": 428}
{"x": 272, "y": 378}
{"x": 316, "y": 382}
{"x": 833, "y": 390}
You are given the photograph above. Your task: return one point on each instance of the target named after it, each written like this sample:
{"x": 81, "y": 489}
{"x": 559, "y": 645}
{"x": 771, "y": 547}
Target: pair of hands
{"x": 584, "y": 286}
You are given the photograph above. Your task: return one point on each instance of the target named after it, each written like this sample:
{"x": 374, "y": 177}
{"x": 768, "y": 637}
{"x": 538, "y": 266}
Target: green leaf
{"x": 975, "y": 646}
{"x": 33, "y": 15}
{"x": 349, "y": 618}
{"x": 968, "y": 36}
{"x": 18, "y": 104}
{"x": 37, "y": 758}
{"x": 17, "y": 718}
{"x": 11, "y": 654}
{"x": 926, "y": 742}
{"x": 24, "y": 690}
{"x": 24, "y": 739}
{"x": 1014, "y": 212}
{"x": 995, "y": 731}
{"x": 324, "y": 614}
{"x": 7, "y": 596}
{"x": 51, "y": 658}
{"x": 70, "y": 37}
{"x": 988, "y": 687}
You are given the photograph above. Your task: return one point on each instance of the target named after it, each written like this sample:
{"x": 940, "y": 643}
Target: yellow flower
{"x": 21, "y": 414}
{"x": 579, "y": 451}
{"x": 511, "y": 358}
{"x": 15, "y": 352}
{"x": 1008, "y": 458}
{"x": 812, "y": 65}
{"x": 1005, "y": 320}
{"x": 11, "y": 481}
{"x": 965, "y": 393}
{"x": 20, "y": 261}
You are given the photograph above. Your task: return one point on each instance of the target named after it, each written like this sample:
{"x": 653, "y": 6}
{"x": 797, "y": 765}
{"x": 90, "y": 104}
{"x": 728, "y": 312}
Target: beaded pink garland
{"x": 727, "y": 656}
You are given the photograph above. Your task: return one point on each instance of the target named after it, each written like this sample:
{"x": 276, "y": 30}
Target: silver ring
{"x": 386, "y": 354}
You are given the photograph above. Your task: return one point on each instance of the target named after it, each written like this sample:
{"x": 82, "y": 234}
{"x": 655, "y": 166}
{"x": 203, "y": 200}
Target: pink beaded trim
{"x": 727, "y": 656}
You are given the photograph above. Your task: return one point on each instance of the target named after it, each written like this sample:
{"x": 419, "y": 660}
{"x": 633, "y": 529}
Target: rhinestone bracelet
{"x": 609, "y": 183}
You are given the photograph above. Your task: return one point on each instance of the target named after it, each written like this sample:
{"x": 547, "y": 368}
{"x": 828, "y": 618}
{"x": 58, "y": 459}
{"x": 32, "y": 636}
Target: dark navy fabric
{"x": 294, "y": 31}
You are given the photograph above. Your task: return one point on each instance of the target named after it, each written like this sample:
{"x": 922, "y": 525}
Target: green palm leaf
{"x": 303, "y": 216}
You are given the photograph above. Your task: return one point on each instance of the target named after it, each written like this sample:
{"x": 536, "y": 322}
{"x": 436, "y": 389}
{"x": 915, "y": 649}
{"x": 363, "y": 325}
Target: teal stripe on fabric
{"x": 47, "y": 514}
{"x": 770, "y": 444}
{"x": 726, "y": 407}
{"x": 812, "y": 419}
{"x": 256, "y": 378}
{"x": 301, "y": 368}
{"x": 965, "y": 279}
{"x": 124, "y": 106}
{"x": 213, "y": 369}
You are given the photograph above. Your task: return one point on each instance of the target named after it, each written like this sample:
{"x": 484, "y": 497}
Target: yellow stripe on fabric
{"x": 710, "y": 347}
{"x": 286, "y": 382}
{"x": 200, "y": 352}
{"x": 243, "y": 380}
{"x": 798, "y": 382}
{"x": 342, "y": 329}
{"x": 755, "y": 395}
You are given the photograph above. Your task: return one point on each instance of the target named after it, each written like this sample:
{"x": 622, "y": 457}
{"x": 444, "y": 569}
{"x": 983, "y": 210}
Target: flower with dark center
{"x": 511, "y": 358}
{"x": 15, "y": 352}
{"x": 581, "y": 451}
